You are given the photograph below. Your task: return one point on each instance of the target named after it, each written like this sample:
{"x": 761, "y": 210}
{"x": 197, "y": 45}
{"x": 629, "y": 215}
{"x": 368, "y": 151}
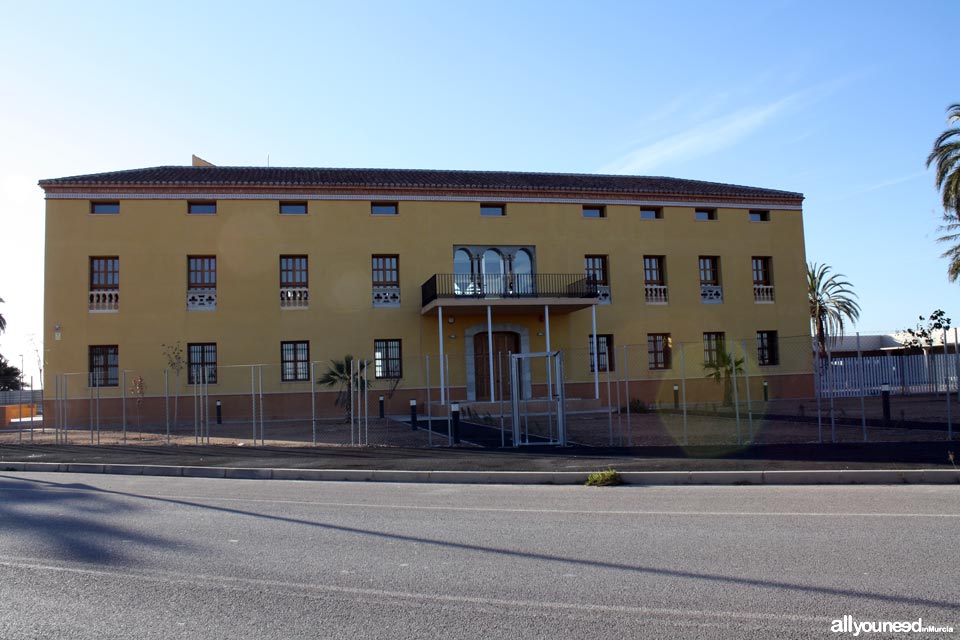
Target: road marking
{"x": 400, "y": 507}
{"x": 237, "y": 583}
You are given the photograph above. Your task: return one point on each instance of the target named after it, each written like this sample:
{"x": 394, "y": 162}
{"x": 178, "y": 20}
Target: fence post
{"x": 626, "y": 388}
{"x": 253, "y": 403}
{"x": 833, "y": 418}
{"x": 946, "y": 381}
{"x": 732, "y": 354}
{"x": 429, "y": 408}
{"x": 260, "y": 403}
{"x": 366, "y": 406}
{"x": 313, "y": 400}
{"x": 124, "y": 376}
{"x": 746, "y": 379}
{"x": 863, "y": 408}
{"x": 166, "y": 401}
{"x": 683, "y": 393}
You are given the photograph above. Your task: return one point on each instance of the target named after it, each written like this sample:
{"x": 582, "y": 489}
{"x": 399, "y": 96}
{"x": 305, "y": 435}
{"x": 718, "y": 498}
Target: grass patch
{"x": 608, "y": 478}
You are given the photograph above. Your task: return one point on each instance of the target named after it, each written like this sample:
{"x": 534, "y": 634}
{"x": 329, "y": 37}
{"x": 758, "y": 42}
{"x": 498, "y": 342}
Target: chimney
{"x": 197, "y": 161}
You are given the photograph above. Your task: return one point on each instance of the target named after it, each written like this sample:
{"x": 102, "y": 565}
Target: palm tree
{"x": 831, "y": 300}
{"x": 951, "y": 236}
{"x": 3, "y": 322}
{"x": 724, "y": 368}
{"x": 338, "y": 375}
{"x": 946, "y": 156}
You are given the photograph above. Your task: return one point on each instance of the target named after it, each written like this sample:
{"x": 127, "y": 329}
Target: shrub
{"x": 608, "y": 478}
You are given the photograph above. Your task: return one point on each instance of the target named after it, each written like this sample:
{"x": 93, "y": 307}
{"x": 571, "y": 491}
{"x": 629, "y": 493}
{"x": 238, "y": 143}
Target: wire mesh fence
{"x": 717, "y": 391}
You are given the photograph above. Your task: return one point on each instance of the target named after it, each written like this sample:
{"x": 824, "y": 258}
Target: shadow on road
{"x": 75, "y": 545}
{"x": 73, "y": 525}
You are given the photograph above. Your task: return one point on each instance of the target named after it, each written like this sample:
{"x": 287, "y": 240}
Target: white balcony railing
{"x": 294, "y": 297}
{"x": 656, "y": 293}
{"x": 711, "y": 294}
{"x": 763, "y": 293}
{"x": 386, "y": 296}
{"x": 201, "y": 299}
{"x": 603, "y": 294}
{"x": 104, "y": 300}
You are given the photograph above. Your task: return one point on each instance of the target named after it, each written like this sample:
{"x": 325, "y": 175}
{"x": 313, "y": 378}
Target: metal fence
{"x": 719, "y": 391}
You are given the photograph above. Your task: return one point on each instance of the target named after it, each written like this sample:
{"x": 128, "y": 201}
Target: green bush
{"x": 608, "y": 478}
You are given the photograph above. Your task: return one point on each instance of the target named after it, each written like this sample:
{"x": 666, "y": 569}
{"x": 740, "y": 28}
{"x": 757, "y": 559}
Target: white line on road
{"x": 237, "y": 583}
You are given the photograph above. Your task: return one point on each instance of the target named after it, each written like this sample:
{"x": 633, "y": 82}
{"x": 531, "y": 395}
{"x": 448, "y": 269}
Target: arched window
{"x": 493, "y": 272}
{"x": 464, "y": 283}
{"x": 523, "y": 273}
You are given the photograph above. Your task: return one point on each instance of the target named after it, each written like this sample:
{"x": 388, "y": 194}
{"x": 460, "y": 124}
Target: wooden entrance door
{"x": 503, "y": 341}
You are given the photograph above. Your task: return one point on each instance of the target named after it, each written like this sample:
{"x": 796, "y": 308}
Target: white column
{"x": 440, "y": 335}
{"x": 596, "y": 364}
{"x": 490, "y": 348}
{"x": 546, "y": 317}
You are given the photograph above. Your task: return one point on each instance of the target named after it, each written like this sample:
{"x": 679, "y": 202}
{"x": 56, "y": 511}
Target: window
{"x": 204, "y": 208}
{"x": 293, "y": 271}
{"x": 658, "y": 350}
{"x": 705, "y": 214}
{"x": 593, "y": 211}
{"x": 104, "y": 273}
{"x": 104, "y": 365}
{"x": 605, "y": 354}
{"x": 295, "y": 361}
{"x": 768, "y": 348}
{"x": 759, "y": 216}
{"x": 202, "y": 361}
{"x": 293, "y": 208}
{"x": 383, "y": 208}
{"x": 386, "y": 270}
{"x": 388, "y": 359}
{"x": 596, "y": 269}
{"x": 713, "y": 344}
{"x": 201, "y": 272}
{"x": 651, "y": 214}
{"x": 493, "y": 210}
{"x": 709, "y": 270}
{"x": 653, "y": 270}
{"x": 761, "y": 271}
{"x": 105, "y": 207}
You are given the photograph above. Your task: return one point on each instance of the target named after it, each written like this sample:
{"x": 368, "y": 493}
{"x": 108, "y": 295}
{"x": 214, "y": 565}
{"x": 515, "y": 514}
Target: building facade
{"x": 288, "y": 267}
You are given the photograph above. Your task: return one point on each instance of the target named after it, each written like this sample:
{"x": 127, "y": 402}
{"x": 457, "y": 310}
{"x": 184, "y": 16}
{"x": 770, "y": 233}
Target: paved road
{"x": 86, "y": 556}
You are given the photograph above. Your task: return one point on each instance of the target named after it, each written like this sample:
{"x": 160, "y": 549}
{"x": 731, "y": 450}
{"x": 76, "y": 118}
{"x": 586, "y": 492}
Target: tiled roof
{"x": 410, "y": 179}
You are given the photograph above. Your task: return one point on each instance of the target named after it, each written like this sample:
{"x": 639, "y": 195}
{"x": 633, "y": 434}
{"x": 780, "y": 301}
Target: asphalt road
{"x": 143, "y": 557}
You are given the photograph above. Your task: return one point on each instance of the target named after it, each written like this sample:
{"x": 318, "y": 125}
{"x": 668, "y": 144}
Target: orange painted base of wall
{"x": 15, "y": 411}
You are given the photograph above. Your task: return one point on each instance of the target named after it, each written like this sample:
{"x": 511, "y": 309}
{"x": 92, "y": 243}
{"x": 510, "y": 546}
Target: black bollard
{"x": 413, "y": 415}
{"x": 766, "y": 392}
{"x": 219, "y": 414}
{"x": 885, "y": 397}
{"x": 381, "y": 407}
{"x": 676, "y": 397}
{"x": 455, "y": 414}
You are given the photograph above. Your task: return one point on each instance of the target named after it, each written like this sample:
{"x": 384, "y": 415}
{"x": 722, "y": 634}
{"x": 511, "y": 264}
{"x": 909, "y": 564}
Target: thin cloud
{"x": 703, "y": 139}
{"x": 884, "y": 184}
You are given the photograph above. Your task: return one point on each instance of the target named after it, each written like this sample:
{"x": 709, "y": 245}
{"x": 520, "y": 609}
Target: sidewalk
{"x": 758, "y": 464}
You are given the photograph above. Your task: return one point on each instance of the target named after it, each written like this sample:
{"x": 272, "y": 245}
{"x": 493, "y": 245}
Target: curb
{"x": 647, "y": 478}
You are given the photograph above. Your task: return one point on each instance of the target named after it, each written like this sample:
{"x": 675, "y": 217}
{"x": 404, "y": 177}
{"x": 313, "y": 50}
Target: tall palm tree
{"x": 3, "y": 322}
{"x": 831, "y": 300}
{"x": 946, "y": 156}
{"x": 951, "y": 236}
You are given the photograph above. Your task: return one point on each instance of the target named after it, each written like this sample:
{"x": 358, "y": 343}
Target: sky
{"x": 838, "y": 100}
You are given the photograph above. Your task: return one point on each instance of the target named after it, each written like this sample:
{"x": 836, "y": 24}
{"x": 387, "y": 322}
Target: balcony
{"x": 386, "y": 296}
{"x": 563, "y": 290}
{"x": 655, "y": 293}
{"x": 294, "y": 297}
{"x": 711, "y": 293}
{"x": 763, "y": 293}
{"x": 202, "y": 299}
{"x": 104, "y": 301}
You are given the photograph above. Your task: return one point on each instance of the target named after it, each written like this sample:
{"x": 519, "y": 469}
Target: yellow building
{"x": 289, "y": 266}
